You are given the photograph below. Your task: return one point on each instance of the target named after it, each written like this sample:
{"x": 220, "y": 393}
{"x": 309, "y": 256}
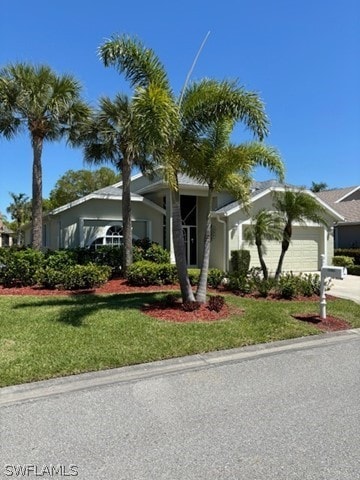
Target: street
{"x": 287, "y": 413}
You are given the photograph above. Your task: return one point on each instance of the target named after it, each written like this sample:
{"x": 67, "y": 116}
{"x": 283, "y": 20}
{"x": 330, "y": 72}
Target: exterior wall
{"x": 308, "y": 242}
{"x": 81, "y": 224}
{"x": 347, "y": 236}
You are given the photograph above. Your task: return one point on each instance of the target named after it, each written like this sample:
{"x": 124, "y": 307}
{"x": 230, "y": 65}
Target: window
{"x": 113, "y": 237}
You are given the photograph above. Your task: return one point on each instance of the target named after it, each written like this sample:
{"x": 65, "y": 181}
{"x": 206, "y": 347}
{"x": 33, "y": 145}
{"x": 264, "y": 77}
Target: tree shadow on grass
{"x": 75, "y": 309}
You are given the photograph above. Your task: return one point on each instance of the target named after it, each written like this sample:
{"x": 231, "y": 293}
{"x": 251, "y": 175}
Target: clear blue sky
{"x": 301, "y": 57}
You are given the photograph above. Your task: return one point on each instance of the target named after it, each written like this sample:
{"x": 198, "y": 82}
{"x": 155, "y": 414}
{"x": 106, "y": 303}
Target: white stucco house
{"x": 96, "y": 220}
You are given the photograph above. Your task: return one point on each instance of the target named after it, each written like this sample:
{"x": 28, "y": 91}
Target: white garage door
{"x": 303, "y": 254}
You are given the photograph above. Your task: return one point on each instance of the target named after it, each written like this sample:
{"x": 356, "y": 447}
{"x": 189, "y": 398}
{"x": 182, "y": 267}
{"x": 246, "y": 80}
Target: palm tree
{"x": 172, "y": 128}
{"x": 155, "y": 104}
{"x": 215, "y": 153}
{"x": 20, "y": 213}
{"x": 114, "y": 135}
{"x": 297, "y": 206}
{"x": 48, "y": 106}
{"x": 318, "y": 187}
{"x": 265, "y": 225}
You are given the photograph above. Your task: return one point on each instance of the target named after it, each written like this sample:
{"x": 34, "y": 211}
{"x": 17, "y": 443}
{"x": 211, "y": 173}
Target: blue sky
{"x": 301, "y": 57}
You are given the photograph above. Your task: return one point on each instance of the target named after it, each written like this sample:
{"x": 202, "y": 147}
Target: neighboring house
{"x": 6, "y": 235}
{"x": 345, "y": 201}
{"x": 96, "y": 220}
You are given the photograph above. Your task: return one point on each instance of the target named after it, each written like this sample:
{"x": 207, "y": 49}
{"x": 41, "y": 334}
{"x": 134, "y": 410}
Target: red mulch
{"x": 328, "y": 324}
{"x": 175, "y": 313}
{"x": 117, "y": 285}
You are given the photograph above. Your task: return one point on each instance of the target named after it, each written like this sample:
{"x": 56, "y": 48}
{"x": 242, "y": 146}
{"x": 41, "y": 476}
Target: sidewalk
{"x": 348, "y": 288}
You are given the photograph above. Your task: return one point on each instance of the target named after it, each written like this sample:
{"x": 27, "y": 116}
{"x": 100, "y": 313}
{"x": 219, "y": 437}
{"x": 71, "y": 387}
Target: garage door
{"x": 303, "y": 254}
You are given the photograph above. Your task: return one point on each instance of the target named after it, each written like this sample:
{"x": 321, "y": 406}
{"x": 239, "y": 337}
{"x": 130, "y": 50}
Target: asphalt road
{"x": 284, "y": 411}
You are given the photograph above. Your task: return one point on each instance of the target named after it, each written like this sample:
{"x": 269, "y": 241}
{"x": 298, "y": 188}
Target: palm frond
{"x": 140, "y": 65}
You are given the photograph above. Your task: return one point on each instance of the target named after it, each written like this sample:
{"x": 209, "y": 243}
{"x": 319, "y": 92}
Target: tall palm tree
{"x": 49, "y": 107}
{"x": 297, "y": 206}
{"x": 265, "y": 225}
{"x": 20, "y": 213}
{"x": 114, "y": 135}
{"x": 214, "y": 154}
{"x": 172, "y": 127}
{"x": 155, "y": 104}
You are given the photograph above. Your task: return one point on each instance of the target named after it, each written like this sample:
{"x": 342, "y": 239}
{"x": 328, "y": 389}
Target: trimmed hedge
{"x": 343, "y": 261}
{"x": 146, "y": 273}
{"x": 74, "y": 277}
{"x": 349, "y": 252}
{"x": 354, "y": 270}
{"x": 240, "y": 262}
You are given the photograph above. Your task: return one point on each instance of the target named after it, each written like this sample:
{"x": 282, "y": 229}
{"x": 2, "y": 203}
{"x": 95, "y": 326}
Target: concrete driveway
{"x": 348, "y": 288}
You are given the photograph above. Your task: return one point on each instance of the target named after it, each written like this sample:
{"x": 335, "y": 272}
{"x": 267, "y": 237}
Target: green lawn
{"x": 44, "y": 337}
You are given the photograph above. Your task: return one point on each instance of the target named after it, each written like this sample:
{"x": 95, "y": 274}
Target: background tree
{"x": 75, "y": 184}
{"x": 49, "y": 107}
{"x": 20, "y": 212}
{"x": 318, "y": 187}
{"x": 296, "y": 206}
{"x": 265, "y": 226}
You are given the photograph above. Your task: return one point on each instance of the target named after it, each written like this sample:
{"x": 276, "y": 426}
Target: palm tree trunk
{"x": 284, "y": 247}
{"x": 262, "y": 261}
{"x": 201, "y": 290}
{"x": 126, "y": 214}
{"x": 37, "y": 144}
{"x": 179, "y": 249}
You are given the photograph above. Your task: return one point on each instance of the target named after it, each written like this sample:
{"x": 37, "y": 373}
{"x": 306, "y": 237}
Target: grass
{"x": 45, "y": 337}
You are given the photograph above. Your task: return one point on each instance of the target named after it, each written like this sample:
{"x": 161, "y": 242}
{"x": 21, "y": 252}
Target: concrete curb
{"x": 43, "y": 389}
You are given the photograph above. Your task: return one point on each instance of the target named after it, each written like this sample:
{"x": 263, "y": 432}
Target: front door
{"x": 190, "y": 245}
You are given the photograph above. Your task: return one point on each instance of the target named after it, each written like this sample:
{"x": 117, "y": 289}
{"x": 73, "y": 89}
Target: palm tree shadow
{"x": 75, "y": 309}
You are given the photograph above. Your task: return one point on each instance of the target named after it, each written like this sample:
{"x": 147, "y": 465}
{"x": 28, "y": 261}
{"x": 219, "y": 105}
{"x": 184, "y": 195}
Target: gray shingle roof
{"x": 349, "y": 209}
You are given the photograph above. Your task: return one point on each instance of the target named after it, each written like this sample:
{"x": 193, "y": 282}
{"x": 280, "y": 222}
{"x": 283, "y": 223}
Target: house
{"x": 6, "y": 235}
{"x": 95, "y": 220}
{"x": 345, "y": 201}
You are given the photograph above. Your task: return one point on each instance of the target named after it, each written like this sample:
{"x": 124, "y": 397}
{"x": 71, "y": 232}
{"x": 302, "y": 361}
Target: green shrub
{"x": 264, "y": 287}
{"x": 343, "y": 261}
{"x": 194, "y": 275}
{"x": 241, "y": 285}
{"x": 354, "y": 270}
{"x": 58, "y": 259}
{"x": 349, "y": 252}
{"x": 215, "y": 277}
{"x": 240, "y": 262}
{"x": 288, "y": 285}
{"x": 20, "y": 267}
{"x": 156, "y": 253}
{"x": 145, "y": 273}
{"x": 49, "y": 277}
{"x": 85, "y": 276}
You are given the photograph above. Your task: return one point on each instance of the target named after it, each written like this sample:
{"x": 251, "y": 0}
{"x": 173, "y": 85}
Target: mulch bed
{"x": 328, "y": 324}
{"x": 175, "y": 312}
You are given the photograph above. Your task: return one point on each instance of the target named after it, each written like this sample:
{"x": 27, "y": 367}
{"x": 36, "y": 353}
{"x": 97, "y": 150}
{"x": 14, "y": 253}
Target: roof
{"x": 107, "y": 193}
{"x": 342, "y": 201}
{"x": 257, "y": 189}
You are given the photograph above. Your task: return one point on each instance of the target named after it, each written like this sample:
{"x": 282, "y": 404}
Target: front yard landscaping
{"x": 49, "y": 336}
